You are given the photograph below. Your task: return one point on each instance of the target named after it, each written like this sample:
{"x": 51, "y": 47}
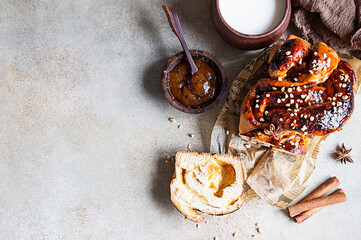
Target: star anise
{"x": 273, "y": 132}
{"x": 343, "y": 155}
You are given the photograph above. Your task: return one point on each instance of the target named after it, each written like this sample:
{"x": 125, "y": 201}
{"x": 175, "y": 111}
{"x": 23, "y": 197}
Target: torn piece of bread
{"x": 212, "y": 184}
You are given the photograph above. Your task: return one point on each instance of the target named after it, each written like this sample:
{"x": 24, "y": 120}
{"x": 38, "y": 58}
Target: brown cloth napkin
{"x": 335, "y": 22}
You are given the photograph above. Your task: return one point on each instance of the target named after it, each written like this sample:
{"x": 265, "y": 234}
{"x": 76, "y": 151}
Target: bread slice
{"x": 212, "y": 184}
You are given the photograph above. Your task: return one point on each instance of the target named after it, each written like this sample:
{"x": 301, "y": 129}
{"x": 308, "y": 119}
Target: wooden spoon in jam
{"x": 174, "y": 23}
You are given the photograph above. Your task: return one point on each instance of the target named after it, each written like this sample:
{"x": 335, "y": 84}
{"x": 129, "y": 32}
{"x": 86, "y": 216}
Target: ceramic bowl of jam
{"x": 249, "y": 24}
{"x": 198, "y": 93}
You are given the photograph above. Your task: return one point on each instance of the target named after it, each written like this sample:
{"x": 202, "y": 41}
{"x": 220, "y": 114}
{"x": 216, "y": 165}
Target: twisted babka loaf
{"x": 308, "y": 92}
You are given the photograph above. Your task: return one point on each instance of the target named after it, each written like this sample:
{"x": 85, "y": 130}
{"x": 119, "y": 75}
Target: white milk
{"x": 252, "y": 16}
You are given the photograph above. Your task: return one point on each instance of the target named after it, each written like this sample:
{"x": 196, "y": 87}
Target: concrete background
{"x": 84, "y": 130}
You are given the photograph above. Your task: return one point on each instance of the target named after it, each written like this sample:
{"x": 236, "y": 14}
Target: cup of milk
{"x": 250, "y": 24}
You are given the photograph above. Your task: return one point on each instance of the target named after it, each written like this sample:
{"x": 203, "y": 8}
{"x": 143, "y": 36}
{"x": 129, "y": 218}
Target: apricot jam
{"x": 193, "y": 90}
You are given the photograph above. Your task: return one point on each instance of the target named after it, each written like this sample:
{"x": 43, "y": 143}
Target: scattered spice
{"x": 343, "y": 155}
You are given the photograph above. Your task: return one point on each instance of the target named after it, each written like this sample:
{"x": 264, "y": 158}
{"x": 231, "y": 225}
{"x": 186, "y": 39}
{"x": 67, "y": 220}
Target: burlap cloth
{"x": 335, "y": 22}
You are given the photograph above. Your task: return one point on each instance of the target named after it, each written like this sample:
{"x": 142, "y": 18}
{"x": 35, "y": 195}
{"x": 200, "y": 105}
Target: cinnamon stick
{"x": 321, "y": 191}
{"x": 336, "y": 197}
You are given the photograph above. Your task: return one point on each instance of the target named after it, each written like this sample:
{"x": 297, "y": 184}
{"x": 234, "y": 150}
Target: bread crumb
{"x": 172, "y": 120}
{"x": 235, "y": 234}
{"x": 180, "y": 126}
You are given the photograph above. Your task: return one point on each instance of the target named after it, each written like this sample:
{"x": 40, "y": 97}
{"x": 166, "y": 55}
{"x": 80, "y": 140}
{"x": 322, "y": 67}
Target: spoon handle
{"x": 174, "y": 23}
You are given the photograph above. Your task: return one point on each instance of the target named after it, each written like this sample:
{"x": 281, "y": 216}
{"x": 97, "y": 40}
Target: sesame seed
{"x": 334, "y": 98}
{"x": 291, "y": 95}
{"x": 287, "y": 105}
{"x": 312, "y": 118}
{"x": 332, "y": 118}
{"x": 281, "y": 119}
{"x": 328, "y": 59}
{"x": 315, "y": 53}
{"x": 261, "y": 119}
{"x": 299, "y": 89}
{"x": 279, "y": 78}
{"x": 266, "y": 112}
{"x": 344, "y": 97}
{"x": 267, "y": 95}
{"x": 329, "y": 99}
{"x": 305, "y": 133}
{"x": 283, "y": 99}
{"x": 296, "y": 105}
{"x": 305, "y": 116}
{"x": 344, "y": 85}
{"x": 339, "y": 110}
{"x": 292, "y": 101}
{"x": 283, "y": 89}
{"x": 257, "y": 106}
{"x": 333, "y": 103}
{"x": 295, "y": 79}
{"x": 303, "y": 96}
{"x": 257, "y": 100}
{"x": 274, "y": 88}
{"x": 288, "y": 53}
{"x": 278, "y": 100}
{"x": 286, "y": 95}
{"x": 310, "y": 71}
{"x": 291, "y": 114}
{"x": 339, "y": 104}
{"x": 300, "y": 61}
{"x": 289, "y": 89}
{"x": 324, "y": 55}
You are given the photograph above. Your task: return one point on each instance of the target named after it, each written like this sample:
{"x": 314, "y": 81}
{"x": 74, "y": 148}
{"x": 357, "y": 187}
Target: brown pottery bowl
{"x": 247, "y": 41}
{"x": 212, "y": 62}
